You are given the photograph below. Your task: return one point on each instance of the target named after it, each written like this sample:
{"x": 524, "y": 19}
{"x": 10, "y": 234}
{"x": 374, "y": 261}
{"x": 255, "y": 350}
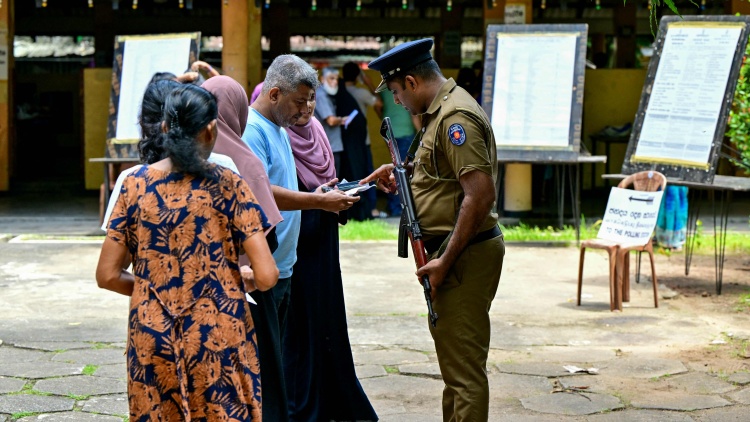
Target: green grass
{"x": 736, "y": 242}
{"x": 19, "y": 415}
{"x": 368, "y": 230}
{"x": 77, "y": 397}
{"x": 391, "y": 369}
{"x": 526, "y": 233}
{"x": 89, "y": 369}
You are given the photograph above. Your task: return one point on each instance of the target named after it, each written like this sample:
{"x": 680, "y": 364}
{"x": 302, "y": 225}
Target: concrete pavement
{"x": 61, "y": 357}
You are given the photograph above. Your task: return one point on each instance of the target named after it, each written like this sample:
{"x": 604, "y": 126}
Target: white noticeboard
{"x": 630, "y": 217}
{"x": 532, "y": 97}
{"x": 141, "y": 59}
{"x": 688, "y": 93}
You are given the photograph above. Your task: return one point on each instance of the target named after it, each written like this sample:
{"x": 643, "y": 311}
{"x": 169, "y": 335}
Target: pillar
{"x": 6, "y": 97}
{"x": 278, "y": 33}
{"x": 235, "y": 29}
{"x": 448, "y": 50}
{"x": 254, "y": 59}
{"x": 105, "y": 30}
{"x": 624, "y": 21}
{"x": 737, "y": 6}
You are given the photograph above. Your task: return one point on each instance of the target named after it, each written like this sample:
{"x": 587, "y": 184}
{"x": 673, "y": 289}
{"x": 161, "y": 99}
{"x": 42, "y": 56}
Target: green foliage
{"x": 368, "y": 230}
{"x": 738, "y": 127}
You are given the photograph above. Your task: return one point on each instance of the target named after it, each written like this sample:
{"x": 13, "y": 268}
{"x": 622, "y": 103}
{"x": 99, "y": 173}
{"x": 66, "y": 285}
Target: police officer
{"x": 453, "y": 182}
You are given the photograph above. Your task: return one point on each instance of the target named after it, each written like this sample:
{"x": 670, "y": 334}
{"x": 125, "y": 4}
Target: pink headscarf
{"x": 312, "y": 154}
{"x": 232, "y": 102}
{"x": 256, "y": 92}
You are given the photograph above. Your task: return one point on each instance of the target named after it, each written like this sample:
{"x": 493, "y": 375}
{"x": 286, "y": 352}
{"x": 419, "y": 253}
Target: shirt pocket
{"x": 425, "y": 175}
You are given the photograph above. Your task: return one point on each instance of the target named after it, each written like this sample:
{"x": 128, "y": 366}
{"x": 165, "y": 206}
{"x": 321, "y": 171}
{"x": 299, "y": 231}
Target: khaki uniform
{"x": 457, "y": 138}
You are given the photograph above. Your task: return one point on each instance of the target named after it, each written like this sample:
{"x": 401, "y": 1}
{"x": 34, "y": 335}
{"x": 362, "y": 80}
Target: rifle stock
{"x": 409, "y": 224}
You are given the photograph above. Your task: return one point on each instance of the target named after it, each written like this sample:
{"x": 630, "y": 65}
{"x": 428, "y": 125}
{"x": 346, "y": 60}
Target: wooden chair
{"x": 619, "y": 259}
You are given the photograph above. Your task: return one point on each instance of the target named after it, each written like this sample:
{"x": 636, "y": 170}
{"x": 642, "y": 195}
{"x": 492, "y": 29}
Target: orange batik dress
{"x": 192, "y": 354}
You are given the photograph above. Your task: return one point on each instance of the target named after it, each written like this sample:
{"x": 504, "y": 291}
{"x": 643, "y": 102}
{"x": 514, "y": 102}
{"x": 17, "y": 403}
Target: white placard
{"x": 687, "y": 94}
{"x": 630, "y": 217}
{"x": 141, "y": 59}
{"x": 515, "y": 13}
{"x": 533, "y": 91}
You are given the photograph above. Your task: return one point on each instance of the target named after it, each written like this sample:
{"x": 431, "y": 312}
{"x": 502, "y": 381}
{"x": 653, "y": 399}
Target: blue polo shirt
{"x": 271, "y": 144}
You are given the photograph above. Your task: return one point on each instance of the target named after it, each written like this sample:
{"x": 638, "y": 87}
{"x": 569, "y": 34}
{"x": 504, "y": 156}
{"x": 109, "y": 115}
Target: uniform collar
{"x": 441, "y": 96}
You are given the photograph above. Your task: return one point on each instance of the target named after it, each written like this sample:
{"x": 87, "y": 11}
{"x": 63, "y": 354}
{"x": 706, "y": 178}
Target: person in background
{"x": 182, "y": 222}
{"x": 325, "y": 112}
{"x": 318, "y": 365}
{"x": 351, "y": 73}
{"x": 288, "y": 88}
{"x": 405, "y": 126}
{"x": 671, "y": 224}
{"x": 476, "y": 89}
{"x": 354, "y": 157}
{"x": 466, "y": 79}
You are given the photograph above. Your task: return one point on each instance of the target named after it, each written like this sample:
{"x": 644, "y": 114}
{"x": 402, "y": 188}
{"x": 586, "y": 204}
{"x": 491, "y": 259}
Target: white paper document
{"x": 687, "y": 94}
{"x": 533, "y": 92}
{"x": 143, "y": 58}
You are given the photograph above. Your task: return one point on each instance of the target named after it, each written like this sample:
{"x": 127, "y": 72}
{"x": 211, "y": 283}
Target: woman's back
{"x": 188, "y": 306}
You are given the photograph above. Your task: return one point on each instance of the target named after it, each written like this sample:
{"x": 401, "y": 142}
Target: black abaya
{"x": 318, "y": 365}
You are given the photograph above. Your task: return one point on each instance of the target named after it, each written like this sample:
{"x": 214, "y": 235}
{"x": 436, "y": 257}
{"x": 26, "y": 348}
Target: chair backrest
{"x": 646, "y": 181}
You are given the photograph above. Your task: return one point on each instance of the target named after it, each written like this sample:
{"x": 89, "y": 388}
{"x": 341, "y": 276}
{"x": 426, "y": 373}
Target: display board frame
{"x": 127, "y": 147}
{"x": 674, "y": 168}
{"x": 537, "y": 152}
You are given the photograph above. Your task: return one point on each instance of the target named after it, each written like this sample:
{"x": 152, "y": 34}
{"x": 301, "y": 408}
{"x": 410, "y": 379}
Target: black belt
{"x": 432, "y": 245}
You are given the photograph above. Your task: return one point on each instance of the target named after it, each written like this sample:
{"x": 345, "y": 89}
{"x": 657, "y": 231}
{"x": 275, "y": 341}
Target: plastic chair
{"x": 619, "y": 255}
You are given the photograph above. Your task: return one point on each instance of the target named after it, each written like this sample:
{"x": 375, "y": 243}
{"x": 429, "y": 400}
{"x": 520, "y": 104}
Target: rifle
{"x": 409, "y": 224}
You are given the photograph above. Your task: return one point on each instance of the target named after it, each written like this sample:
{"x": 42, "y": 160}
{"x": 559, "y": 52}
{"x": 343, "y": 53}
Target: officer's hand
{"x": 436, "y": 272}
{"x": 336, "y": 200}
{"x": 383, "y": 177}
{"x": 331, "y": 184}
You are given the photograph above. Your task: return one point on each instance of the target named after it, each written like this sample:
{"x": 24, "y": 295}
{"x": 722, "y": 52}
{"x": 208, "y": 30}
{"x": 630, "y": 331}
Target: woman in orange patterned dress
{"x": 192, "y": 352}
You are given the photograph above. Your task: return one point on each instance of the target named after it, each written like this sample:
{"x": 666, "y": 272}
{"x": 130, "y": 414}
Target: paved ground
{"x": 62, "y": 348}
{"x": 62, "y": 338}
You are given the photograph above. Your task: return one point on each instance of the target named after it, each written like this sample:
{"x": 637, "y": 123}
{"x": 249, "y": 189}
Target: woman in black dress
{"x": 318, "y": 366}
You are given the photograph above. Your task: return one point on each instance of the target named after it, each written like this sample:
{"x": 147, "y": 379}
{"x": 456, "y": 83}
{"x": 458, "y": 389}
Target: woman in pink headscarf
{"x": 232, "y": 120}
{"x": 318, "y": 365}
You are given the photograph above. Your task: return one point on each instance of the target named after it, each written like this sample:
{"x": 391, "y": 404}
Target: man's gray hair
{"x": 288, "y": 72}
{"x": 328, "y": 70}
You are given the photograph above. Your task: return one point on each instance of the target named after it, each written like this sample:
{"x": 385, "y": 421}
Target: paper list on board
{"x": 533, "y": 91}
{"x": 687, "y": 94}
{"x": 143, "y": 58}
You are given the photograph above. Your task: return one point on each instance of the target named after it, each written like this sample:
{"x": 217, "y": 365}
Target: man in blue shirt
{"x": 287, "y": 90}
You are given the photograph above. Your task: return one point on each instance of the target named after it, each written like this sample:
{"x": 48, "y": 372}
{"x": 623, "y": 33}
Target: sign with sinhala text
{"x": 630, "y": 217}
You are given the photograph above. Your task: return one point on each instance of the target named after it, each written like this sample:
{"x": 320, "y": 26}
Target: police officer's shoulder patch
{"x": 457, "y": 134}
